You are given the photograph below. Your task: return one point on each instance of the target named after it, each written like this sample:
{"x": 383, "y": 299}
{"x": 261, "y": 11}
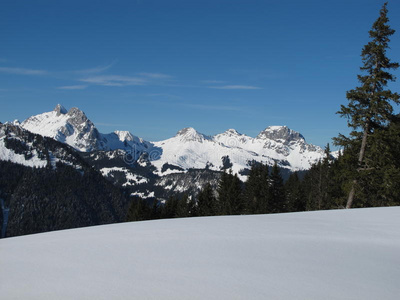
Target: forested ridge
{"x": 65, "y": 193}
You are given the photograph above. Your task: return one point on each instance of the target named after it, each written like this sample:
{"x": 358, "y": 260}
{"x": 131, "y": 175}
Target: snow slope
{"x": 344, "y": 254}
{"x": 10, "y": 155}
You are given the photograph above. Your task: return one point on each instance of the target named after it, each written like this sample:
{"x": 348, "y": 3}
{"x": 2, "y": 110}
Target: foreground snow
{"x": 346, "y": 254}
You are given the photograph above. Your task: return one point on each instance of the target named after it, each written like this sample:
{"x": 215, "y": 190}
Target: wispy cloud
{"x": 213, "y": 81}
{"x": 212, "y": 107}
{"x": 155, "y": 75}
{"x": 235, "y": 87}
{"x": 96, "y": 70}
{"x": 165, "y": 95}
{"x": 73, "y": 87}
{"x": 22, "y": 71}
{"x": 114, "y": 80}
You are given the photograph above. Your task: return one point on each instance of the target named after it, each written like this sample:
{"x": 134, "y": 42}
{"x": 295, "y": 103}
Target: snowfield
{"x": 342, "y": 254}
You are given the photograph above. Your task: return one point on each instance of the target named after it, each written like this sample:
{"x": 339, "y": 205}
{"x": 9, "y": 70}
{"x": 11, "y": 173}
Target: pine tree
{"x": 224, "y": 184}
{"x": 256, "y": 193}
{"x": 182, "y": 207}
{"x": 383, "y": 186}
{"x": 276, "y": 191}
{"x": 170, "y": 208}
{"x": 206, "y": 201}
{"x": 370, "y": 104}
{"x": 296, "y": 199}
{"x": 235, "y": 196}
{"x": 252, "y": 190}
{"x": 192, "y": 207}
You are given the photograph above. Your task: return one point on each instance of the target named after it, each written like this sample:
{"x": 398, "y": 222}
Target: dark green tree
{"x": 182, "y": 207}
{"x": 230, "y": 195}
{"x": 224, "y": 185}
{"x": 235, "y": 196}
{"x": 296, "y": 199}
{"x": 370, "y": 104}
{"x": 316, "y": 186}
{"x": 382, "y": 186}
{"x": 276, "y": 191}
{"x": 192, "y": 207}
{"x": 206, "y": 201}
{"x": 256, "y": 189}
{"x": 169, "y": 209}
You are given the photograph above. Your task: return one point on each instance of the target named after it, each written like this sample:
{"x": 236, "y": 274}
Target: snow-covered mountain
{"x": 188, "y": 149}
{"x": 75, "y": 129}
{"x": 191, "y": 149}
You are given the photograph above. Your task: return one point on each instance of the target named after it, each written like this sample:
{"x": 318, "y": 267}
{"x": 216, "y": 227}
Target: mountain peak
{"x": 77, "y": 116}
{"x": 124, "y": 135}
{"x": 60, "y": 110}
{"x": 75, "y": 111}
{"x": 191, "y": 134}
{"x": 280, "y": 134}
{"x": 232, "y": 132}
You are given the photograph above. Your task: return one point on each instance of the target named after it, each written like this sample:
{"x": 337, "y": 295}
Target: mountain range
{"x": 57, "y": 163}
{"x": 187, "y": 149}
{"x": 182, "y": 163}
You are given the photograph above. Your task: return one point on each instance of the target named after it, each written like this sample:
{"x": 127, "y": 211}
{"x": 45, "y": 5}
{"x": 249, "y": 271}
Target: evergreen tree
{"x": 276, "y": 191}
{"x": 223, "y": 191}
{"x": 182, "y": 209}
{"x": 383, "y": 186}
{"x": 230, "y": 195}
{"x": 206, "y": 201}
{"x": 294, "y": 191}
{"x": 256, "y": 193}
{"x": 236, "y": 203}
{"x": 192, "y": 207}
{"x": 321, "y": 183}
{"x": 370, "y": 104}
{"x": 170, "y": 208}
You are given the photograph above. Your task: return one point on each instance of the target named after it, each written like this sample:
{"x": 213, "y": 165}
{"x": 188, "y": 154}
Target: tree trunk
{"x": 360, "y": 161}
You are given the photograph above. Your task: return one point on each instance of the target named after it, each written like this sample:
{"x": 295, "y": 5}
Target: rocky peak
{"x": 232, "y": 132}
{"x": 191, "y": 134}
{"x": 77, "y": 117}
{"x": 60, "y": 110}
{"x": 232, "y": 138}
{"x": 281, "y": 134}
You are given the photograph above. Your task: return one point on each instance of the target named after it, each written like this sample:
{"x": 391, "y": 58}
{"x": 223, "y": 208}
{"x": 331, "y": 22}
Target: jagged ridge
{"x": 187, "y": 149}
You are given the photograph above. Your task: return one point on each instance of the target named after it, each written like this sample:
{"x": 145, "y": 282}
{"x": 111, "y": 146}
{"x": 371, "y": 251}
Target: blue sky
{"x": 155, "y": 66}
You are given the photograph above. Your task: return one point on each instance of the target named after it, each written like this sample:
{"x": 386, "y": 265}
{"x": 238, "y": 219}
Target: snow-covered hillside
{"x": 346, "y": 254}
{"x": 20, "y": 146}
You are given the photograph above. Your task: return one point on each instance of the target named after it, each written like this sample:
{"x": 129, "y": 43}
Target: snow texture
{"x": 344, "y": 254}
{"x": 9, "y": 155}
{"x": 131, "y": 179}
